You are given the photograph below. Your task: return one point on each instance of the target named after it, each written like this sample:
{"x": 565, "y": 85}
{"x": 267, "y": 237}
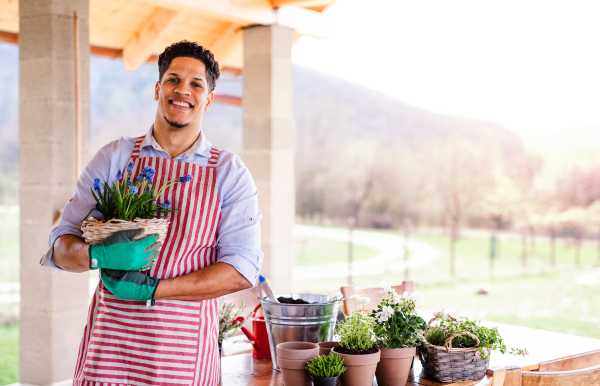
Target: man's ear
{"x": 156, "y": 89}
{"x": 209, "y": 100}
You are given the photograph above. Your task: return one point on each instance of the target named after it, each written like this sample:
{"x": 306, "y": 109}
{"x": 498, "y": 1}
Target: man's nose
{"x": 182, "y": 89}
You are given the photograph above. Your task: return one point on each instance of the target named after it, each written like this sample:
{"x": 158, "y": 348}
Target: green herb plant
{"x": 489, "y": 338}
{"x": 326, "y": 366}
{"x": 397, "y": 325}
{"x": 356, "y": 332}
{"x": 129, "y": 198}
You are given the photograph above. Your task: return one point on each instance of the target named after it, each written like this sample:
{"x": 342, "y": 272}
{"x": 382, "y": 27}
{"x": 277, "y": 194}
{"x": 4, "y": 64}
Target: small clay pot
{"x": 325, "y": 347}
{"x": 360, "y": 369}
{"x": 318, "y": 381}
{"x": 291, "y": 360}
{"x": 394, "y": 366}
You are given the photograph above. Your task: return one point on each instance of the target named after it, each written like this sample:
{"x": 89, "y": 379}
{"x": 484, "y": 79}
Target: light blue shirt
{"x": 238, "y": 232}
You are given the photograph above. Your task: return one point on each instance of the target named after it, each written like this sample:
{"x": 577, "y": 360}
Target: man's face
{"x": 182, "y": 93}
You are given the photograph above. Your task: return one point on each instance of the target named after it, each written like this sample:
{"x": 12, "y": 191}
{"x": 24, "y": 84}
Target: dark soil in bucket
{"x": 342, "y": 350}
{"x": 292, "y": 301}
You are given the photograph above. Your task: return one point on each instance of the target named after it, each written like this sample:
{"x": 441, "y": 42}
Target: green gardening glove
{"x": 119, "y": 251}
{"x": 129, "y": 285}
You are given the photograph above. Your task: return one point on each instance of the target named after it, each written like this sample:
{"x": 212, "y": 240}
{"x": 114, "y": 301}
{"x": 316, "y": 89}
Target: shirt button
{"x": 250, "y": 218}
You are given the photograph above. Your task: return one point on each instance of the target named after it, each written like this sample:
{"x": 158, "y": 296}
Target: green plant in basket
{"x": 489, "y": 338}
{"x": 129, "y": 198}
{"x": 397, "y": 324}
{"x": 326, "y": 366}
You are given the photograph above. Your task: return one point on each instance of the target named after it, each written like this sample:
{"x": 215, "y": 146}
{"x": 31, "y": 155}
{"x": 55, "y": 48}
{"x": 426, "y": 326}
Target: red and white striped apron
{"x": 173, "y": 342}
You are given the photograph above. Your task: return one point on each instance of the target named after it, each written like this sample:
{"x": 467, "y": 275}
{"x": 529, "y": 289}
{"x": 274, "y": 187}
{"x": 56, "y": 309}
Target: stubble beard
{"x": 175, "y": 124}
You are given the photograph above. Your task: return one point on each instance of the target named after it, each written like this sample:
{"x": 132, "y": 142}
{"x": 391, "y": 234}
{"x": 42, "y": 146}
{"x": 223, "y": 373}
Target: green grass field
{"x": 313, "y": 251}
{"x": 9, "y": 354}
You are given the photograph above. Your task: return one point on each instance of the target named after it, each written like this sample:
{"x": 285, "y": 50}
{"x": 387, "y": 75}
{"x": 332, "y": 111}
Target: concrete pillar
{"x": 269, "y": 143}
{"x": 53, "y": 303}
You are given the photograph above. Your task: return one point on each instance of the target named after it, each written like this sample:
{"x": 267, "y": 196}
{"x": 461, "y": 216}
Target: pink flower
{"x": 477, "y": 353}
{"x": 436, "y": 313}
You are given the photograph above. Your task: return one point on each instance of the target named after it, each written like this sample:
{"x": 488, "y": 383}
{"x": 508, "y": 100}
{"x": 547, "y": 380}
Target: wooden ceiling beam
{"x": 302, "y": 3}
{"x": 226, "y": 10}
{"x": 226, "y": 43}
{"x": 141, "y": 45}
{"x": 301, "y": 20}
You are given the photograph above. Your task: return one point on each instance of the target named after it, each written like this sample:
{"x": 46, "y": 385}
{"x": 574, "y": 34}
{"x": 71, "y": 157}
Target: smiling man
{"x": 161, "y": 326}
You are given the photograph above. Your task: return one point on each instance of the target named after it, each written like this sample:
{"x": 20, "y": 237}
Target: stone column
{"x": 53, "y": 303}
{"x": 269, "y": 143}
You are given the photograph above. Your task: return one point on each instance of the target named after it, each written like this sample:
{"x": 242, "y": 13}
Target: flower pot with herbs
{"x": 231, "y": 319}
{"x": 399, "y": 331}
{"x": 460, "y": 349}
{"x": 358, "y": 347}
{"x": 325, "y": 370}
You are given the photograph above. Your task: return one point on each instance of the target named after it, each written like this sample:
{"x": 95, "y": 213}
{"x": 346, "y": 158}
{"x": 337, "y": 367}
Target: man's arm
{"x": 213, "y": 281}
{"x": 71, "y": 254}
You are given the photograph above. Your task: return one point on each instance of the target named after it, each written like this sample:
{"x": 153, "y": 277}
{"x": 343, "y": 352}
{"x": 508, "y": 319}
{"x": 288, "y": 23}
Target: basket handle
{"x": 448, "y": 343}
{"x": 438, "y": 316}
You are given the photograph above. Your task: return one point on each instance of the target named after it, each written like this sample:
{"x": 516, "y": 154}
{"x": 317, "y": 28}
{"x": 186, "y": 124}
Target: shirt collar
{"x": 202, "y": 146}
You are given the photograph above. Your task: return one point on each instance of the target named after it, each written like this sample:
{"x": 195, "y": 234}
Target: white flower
{"x": 363, "y": 300}
{"x": 405, "y": 295}
{"x": 416, "y": 297}
{"x": 373, "y": 339}
{"x": 337, "y": 296}
{"x": 354, "y": 297}
{"x": 386, "y": 287}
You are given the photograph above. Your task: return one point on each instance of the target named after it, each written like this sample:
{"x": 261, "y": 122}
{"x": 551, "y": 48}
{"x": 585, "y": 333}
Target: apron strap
{"x": 214, "y": 157}
{"x": 135, "y": 154}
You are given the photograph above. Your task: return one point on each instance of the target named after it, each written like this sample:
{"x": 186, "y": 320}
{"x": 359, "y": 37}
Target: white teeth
{"x": 181, "y": 104}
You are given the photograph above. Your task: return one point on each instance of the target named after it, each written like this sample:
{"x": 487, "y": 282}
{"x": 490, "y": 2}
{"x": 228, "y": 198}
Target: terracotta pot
{"x": 317, "y": 381}
{"x": 394, "y": 366}
{"x": 292, "y": 358}
{"x": 325, "y": 347}
{"x": 360, "y": 369}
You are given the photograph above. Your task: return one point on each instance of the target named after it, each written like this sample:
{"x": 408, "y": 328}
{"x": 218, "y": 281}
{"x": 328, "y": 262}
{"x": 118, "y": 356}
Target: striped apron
{"x": 173, "y": 342}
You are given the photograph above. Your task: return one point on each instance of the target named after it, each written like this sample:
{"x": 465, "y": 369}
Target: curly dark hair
{"x": 190, "y": 50}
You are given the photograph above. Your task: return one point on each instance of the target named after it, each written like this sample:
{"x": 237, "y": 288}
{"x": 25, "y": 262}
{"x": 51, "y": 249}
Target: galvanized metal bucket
{"x": 300, "y": 322}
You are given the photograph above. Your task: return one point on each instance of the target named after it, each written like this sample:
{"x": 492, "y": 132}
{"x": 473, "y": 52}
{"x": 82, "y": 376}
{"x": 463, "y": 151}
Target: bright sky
{"x": 533, "y": 66}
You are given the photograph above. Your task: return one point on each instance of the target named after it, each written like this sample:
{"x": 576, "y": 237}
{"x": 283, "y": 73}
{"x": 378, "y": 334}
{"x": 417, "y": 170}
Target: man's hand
{"x": 119, "y": 251}
{"x": 129, "y": 285}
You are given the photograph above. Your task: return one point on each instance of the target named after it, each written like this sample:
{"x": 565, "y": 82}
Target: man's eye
{"x": 172, "y": 80}
{"x": 196, "y": 85}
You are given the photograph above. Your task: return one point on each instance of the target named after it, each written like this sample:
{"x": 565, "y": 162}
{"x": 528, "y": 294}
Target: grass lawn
{"x": 9, "y": 354}
{"x": 318, "y": 251}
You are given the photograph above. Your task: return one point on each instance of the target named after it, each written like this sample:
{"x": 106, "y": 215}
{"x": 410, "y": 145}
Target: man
{"x": 212, "y": 247}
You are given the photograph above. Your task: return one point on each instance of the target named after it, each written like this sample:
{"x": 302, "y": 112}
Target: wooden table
{"x": 542, "y": 345}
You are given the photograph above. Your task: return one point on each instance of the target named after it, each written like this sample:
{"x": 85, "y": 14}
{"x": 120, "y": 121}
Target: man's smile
{"x": 180, "y": 103}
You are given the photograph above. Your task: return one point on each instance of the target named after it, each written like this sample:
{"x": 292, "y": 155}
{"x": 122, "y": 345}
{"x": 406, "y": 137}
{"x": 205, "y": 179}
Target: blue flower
{"x": 133, "y": 189}
{"x": 166, "y": 204}
{"x": 130, "y": 166}
{"x": 186, "y": 178}
{"x": 119, "y": 175}
{"x": 97, "y": 184}
{"x": 140, "y": 177}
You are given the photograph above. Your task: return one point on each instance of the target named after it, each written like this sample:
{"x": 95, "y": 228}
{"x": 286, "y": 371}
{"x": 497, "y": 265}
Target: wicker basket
{"x": 96, "y": 230}
{"x": 447, "y": 364}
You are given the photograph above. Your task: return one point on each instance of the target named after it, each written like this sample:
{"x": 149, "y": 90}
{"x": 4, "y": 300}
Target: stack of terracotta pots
{"x": 292, "y": 358}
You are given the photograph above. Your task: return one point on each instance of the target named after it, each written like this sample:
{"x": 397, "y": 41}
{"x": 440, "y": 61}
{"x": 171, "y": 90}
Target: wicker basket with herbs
{"x": 130, "y": 203}
{"x": 459, "y": 349}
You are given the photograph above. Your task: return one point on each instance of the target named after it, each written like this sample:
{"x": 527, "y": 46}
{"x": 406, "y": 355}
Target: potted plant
{"x": 399, "y": 331}
{"x": 466, "y": 343}
{"x": 358, "y": 347}
{"x": 130, "y": 203}
{"x": 325, "y": 370}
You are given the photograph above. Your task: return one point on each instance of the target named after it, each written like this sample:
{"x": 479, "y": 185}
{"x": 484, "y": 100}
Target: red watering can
{"x": 260, "y": 347}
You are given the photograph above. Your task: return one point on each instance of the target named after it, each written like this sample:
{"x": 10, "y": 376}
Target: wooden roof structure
{"x": 139, "y": 30}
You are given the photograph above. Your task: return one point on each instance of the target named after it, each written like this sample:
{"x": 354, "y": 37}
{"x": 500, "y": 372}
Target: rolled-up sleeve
{"x": 80, "y": 204}
{"x": 238, "y": 233}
